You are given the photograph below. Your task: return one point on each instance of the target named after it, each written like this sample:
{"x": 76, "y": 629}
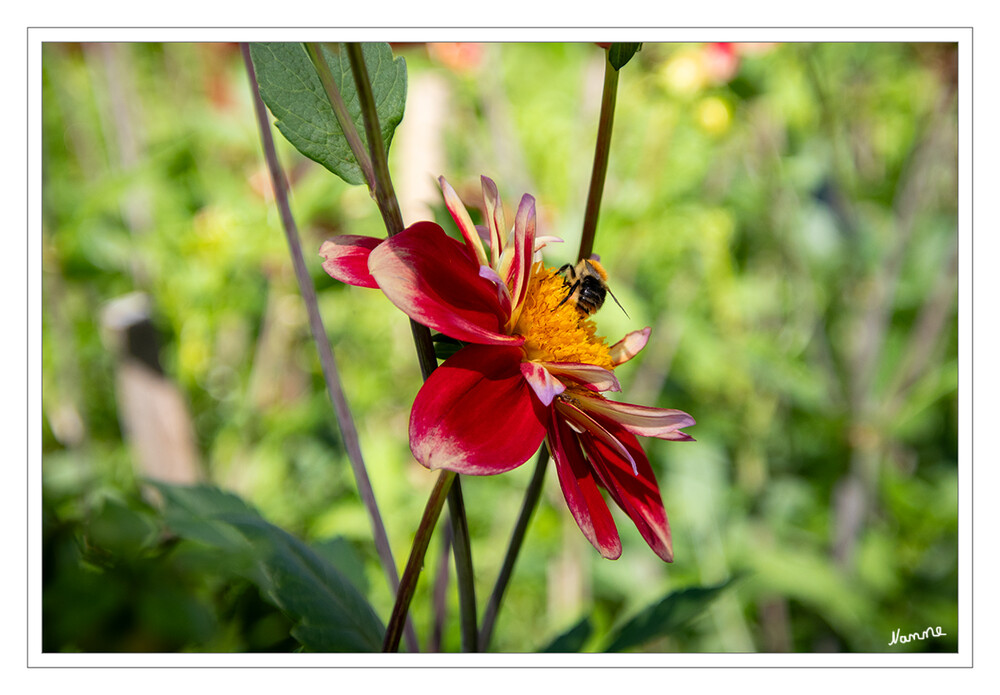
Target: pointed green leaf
{"x": 293, "y": 92}
{"x": 332, "y": 616}
{"x": 330, "y": 613}
{"x": 620, "y": 53}
{"x": 341, "y": 554}
{"x": 665, "y": 617}
{"x": 572, "y": 640}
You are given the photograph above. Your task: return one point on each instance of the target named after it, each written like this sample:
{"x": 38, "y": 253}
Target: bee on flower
{"x": 532, "y": 367}
{"x": 588, "y": 286}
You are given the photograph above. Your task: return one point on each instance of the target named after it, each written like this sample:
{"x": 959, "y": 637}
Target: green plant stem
{"x": 439, "y": 594}
{"x": 531, "y": 497}
{"x": 463, "y": 568}
{"x": 385, "y": 198}
{"x": 385, "y": 195}
{"x": 315, "y": 52}
{"x": 331, "y": 374}
{"x": 408, "y": 583}
{"x": 600, "y": 170}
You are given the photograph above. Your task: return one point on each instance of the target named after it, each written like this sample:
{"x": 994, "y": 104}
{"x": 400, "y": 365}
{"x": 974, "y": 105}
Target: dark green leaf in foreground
{"x": 665, "y": 617}
{"x": 572, "y": 640}
{"x": 620, "y": 53}
{"x": 330, "y": 614}
{"x": 293, "y": 92}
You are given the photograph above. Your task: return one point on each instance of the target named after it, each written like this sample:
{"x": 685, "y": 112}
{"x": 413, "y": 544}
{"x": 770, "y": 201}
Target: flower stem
{"x": 531, "y": 497}
{"x": 600, "y": 170}
{"x": 331, "y": 374}
{"x": 439, "y": 598}
{"x": 385, "y": 195}
{"x": 415, "y": 563}
{"x": 385, "y": 198}
{"x": 463, "y": 568}
{"x": 343, "y": 118}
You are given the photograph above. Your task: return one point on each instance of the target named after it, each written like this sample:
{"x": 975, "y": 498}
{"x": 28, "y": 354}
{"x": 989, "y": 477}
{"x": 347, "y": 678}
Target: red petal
{"x": 585, "y": 423}
{"x": 346, "y": 259}
{"x": 545, "y": 386}
{"x": 663, "y": 423}
{"x": 590, "y": 375}
{"x": 434, "y": 280}
{"x": 524, "y": 240}
{"x": 476, "y": 414}
{"x": 461, "y": 216}
{"x": 637, "y": 495}
{"x": 583, "y": 496}
{"x": 629, "y": 346}
{"x": 494, "y": 217}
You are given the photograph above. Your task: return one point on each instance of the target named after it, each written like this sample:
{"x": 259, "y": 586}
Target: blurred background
{"x": 784, "y": 217}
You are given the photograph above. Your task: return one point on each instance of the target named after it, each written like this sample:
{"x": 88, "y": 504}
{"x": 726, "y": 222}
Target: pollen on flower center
{"x": 554, "y": 332}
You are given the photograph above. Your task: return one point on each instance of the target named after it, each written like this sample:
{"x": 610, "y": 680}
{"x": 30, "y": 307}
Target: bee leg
{"x": 568, "y": 294}
{"x": 568, "y": 273}
{"x": 562, "y": 271}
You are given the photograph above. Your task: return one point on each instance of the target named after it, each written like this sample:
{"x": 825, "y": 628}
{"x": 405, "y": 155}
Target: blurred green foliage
{"x": 784, "y": 218}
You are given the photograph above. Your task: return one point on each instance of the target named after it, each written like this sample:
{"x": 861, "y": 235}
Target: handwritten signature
{"x": 929, "y": 632}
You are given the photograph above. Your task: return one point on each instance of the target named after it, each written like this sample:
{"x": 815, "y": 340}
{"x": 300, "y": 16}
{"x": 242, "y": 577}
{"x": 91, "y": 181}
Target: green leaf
{"x": 330, "y": 614}
{"x": 572, "y": 640}
{"x": 341, "y": 554}
{"x": 665, "y": 617}
{"x": 620, "y": 53}
{"x": 293, "y": 92}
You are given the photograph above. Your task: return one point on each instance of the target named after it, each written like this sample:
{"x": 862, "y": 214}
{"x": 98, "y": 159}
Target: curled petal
{"x": 516, "y": 266}
{"x": 434, "y": 280}
{"x": 583, "y": 496}
{"x": 545, "y": 386}
{"x": 484, "y": 233}
{"x": 637, "y": 494}
{"x": 494, "y": 216}
{"x": 346, "y": 258}
{"x": 662, "y": 423}
{"x": 503, "y": 294}
{"x": 524, "y": 238}
{"x": 541, "y": 241}
{"x": 629, "y": 346}
{"x": 464, "y": 221}
{"x": 476, "y": 414}
{"x": 590, "y": 375}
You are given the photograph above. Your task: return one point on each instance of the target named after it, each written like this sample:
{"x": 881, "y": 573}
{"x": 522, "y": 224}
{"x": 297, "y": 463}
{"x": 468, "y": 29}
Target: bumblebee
{"x": 588, "y": 286}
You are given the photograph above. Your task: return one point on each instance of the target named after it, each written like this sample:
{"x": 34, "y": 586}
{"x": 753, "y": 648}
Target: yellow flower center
{"x": 555, "y": 332}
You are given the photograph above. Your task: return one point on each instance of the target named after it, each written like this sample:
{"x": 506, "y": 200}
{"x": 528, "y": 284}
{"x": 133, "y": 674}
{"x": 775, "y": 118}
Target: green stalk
{"x": 408, "y": 583}
{"x": 340, "y": 110}
{"x": 463, "y": 568}
{"x": 601, "y": 151}
{"x": 385, "y": 197}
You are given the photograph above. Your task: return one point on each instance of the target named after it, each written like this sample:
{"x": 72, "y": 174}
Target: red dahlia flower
{"x": 532, "y": 366}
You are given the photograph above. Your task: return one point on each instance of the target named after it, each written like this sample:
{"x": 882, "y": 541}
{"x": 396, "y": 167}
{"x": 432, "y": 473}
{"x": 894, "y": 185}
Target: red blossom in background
{"x": 532, "y": 367}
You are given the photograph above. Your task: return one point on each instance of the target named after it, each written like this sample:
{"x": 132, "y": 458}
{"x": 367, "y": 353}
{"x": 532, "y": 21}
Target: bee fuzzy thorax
{"x": 587, "y": 286}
